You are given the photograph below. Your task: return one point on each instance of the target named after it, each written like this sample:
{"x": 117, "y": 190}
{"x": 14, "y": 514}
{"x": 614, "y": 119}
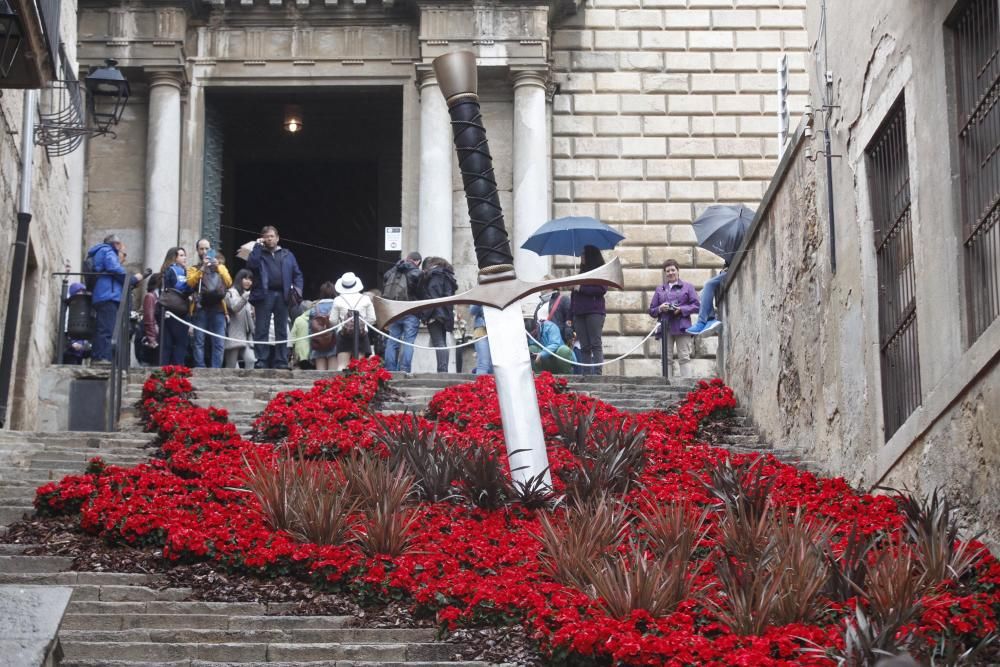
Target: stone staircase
{"x": 126, "y": 619}
{"x": 134, "y": 619}
{"x": 245, "y": 393}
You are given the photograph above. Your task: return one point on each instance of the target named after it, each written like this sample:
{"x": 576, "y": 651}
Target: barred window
{"x": 889, "y": 184}
{"x": 976, "y": 40}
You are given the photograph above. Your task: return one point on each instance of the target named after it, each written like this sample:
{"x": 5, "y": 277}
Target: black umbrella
{"x": 721, "y": 228}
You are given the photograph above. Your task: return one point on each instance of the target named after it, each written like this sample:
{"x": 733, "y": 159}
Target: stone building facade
{"x": 886, "y": 370}
{"x": 640, "y": 112}
{"x": 54, "y": 239}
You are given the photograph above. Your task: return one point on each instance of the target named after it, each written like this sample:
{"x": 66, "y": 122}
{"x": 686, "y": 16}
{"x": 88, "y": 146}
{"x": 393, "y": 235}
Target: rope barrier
{"x": 337, "y": 327}
{"x": 334, "y": 328}
{"x": 605, "y": 362}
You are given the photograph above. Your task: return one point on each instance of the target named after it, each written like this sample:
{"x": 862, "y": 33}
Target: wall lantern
{"x": 11, "y": 36}
{"x": 108, "y": 93}
{"x": 293, "y": 118}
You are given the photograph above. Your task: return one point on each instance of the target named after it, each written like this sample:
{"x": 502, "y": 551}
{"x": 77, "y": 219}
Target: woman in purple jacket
{"x": 673, "y": 304}
{"x": 587, "y": 306}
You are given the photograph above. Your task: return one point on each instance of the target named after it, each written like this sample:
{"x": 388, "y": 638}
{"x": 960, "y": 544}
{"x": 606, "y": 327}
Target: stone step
{"x": 105, "y": 579}
{"x": 36, "y": 476}
{"x": 240, "y": 652}
{"x": 20, "y": 564}
{"x": 64, "y": 462}
{"x": 13, "y": 513}
{"x": 188, "y": 634}
{"x": 123, "y": 593}
{"x": 311, "y": 663}
{"x": 155, "y": 606}
{"x": 214, "y": 621}
{"x": 15, "y": 549}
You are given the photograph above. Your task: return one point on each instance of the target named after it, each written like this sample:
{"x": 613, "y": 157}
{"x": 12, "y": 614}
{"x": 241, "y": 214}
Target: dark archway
{"x": 330, "y": 189}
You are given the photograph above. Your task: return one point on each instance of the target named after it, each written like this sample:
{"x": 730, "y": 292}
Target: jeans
{"x": 174, "y": 346}
{"x": 399, "y": 357}
{"x": 214, "y": 320}
{"x": 588, "y": 331}
{"x": 271, "y": 356}
{"x": 439, "y": 339}
{"x": 707, "y": 311}
{"x": 106, "y": 312}
{"x": 484, "y": 362}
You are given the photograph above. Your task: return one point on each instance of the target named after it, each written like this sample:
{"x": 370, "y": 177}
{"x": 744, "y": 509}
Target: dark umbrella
{"x": 568, "y": 236}
{"x": 721, "y": 228}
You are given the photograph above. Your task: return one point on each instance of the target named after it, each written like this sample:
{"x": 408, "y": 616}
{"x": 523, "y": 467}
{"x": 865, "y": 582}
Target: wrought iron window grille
{"x": 889, "y": 186}
{"x": 975, "y": 33}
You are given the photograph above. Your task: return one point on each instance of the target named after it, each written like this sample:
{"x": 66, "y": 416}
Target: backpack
{"x": 348, "y": 321}
{"x": 319, "y": 321}
{"x": 396, "y": 287}
{"x": 90, "y": 267}
{"x": 212, "y": 290}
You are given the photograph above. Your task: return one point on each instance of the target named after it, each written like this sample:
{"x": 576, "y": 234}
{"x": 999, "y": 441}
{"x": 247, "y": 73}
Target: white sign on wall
{"x": 394, "y": 238}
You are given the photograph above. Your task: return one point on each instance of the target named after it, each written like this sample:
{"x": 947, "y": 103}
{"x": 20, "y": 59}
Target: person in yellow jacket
{"x": 209, "y": 279}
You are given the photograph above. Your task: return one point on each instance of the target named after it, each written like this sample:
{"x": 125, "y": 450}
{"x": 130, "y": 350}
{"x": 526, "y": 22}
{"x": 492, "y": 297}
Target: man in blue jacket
{"x": 277, "y": 280}
{"x": 107, "y": 258}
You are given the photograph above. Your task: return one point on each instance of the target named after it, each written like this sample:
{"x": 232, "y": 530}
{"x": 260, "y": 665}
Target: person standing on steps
{"x": 277, "y": 283}
{"x": 438, "y": 280}
{"x": 107, "y": 258}
{"x": 209, "y": 279}
{"x": 174, "y": 335}
{"x": 673, "y": 304}
{"x": 589, "y": 313}
{"x": 240, "y": 322}
{"x": 400, "y": 284}
{"x": 348, "y": 301}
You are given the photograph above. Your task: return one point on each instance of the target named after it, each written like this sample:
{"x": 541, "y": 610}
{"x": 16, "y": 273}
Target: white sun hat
{"x": 349, "y": 284}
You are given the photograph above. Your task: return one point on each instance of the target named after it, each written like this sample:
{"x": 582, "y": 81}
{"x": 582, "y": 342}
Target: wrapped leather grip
{"x": 476, "y": 164}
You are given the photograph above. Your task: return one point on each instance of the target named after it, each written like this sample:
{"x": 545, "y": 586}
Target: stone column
{"x": 163, "y": 166}
{"x": 531, "y": 170}
{"x": 434, "y": 235}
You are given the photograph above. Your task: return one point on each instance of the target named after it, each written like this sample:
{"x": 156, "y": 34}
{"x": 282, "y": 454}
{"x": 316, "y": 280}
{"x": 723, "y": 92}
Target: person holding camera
{"x": 673, "y": 304}
{"x": 209, "y": 279}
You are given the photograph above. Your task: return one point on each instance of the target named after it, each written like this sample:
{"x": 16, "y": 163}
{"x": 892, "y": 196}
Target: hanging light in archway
{"x": 293, "y": 119}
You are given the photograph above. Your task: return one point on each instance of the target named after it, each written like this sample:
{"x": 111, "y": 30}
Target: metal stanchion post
{"x": 63, "y": 312}
{"x": 357, "y": 334}
{"x": 665, "y": 351}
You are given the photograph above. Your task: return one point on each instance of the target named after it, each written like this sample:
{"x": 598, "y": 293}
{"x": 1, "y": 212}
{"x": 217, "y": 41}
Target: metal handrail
{"x": 121, "y": 356}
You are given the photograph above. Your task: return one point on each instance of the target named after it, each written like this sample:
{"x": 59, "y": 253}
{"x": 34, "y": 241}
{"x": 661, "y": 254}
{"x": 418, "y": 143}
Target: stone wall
{"x": 665, "y": 107}
{"x": 52, "y": 226}
{"x": 801, "y": 341}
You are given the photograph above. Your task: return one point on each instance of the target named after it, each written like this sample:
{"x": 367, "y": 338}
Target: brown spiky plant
{"x": 587, "y": 533}
{"x": 893, "y": 587}
{"x": 573, "y": 423}
{"x": 272, "y": 483}
{"x": 743, "y": 495}
{"x": 932, "y": 529}
{"x": 383, "y": 489}
{"x": 629, "y": 581}
{"x": 672, "y": 526}
{"x": 800, "y": 564}
{"x": 310, "y": 500}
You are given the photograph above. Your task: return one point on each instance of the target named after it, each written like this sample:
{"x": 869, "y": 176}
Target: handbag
{"x": 174, "y": 301}
{"x": 294, "y": 299}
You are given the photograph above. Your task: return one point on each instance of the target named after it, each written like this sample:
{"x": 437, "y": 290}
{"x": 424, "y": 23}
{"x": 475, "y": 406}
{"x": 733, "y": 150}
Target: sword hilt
{"x": 457, "y": 77}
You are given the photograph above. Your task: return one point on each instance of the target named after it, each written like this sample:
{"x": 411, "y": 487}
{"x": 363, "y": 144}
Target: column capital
{"x": 171, "y": 78}
{"x": 426, "y": 76}
{"x": 537, "y": 77}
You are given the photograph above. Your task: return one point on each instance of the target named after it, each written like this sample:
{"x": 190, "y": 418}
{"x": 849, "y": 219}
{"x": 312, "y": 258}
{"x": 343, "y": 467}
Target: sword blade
{"x": 522, "y": 421}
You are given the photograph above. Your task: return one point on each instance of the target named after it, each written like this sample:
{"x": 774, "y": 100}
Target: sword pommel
{"x": 457, "y": 76}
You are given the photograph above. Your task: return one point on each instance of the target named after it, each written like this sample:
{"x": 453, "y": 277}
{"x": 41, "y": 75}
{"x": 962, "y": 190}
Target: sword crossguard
{"x": 500, "y": 293}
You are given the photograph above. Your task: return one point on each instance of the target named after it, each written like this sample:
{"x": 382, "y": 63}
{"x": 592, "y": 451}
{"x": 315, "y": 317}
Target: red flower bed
{"x": 470, "y": 565}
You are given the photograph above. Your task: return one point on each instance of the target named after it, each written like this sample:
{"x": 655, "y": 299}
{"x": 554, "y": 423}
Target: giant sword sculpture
{"x": 499, "y": 288}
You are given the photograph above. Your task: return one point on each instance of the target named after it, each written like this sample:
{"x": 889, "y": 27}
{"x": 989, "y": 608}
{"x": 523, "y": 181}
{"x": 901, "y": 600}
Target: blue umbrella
{"x": 568, "y": 236}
